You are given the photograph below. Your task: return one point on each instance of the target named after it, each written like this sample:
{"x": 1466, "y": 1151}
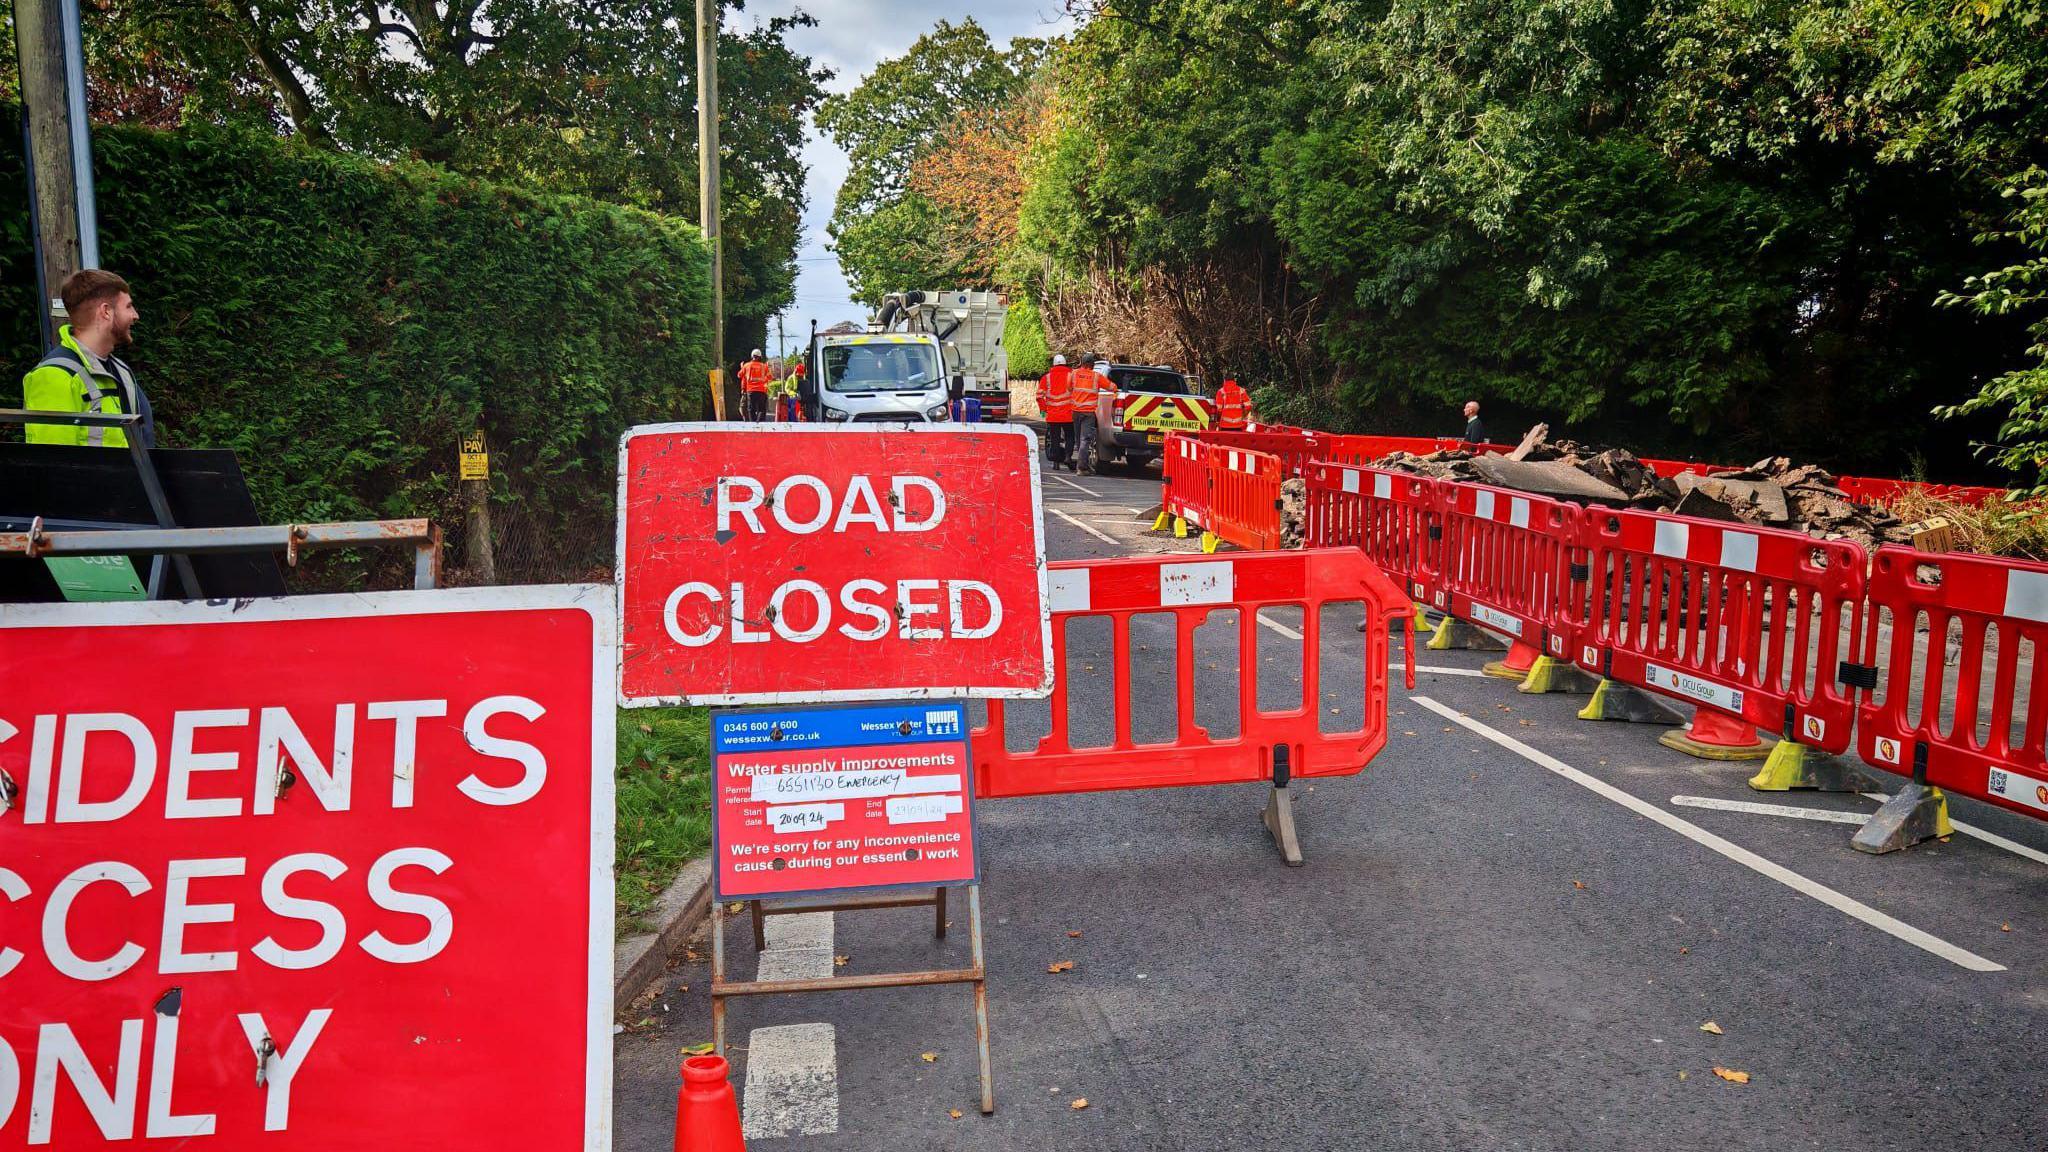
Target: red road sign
{"x": 776, "y": 565}
{"x": 811, "y": 800}
{"x": 321, "y": 874}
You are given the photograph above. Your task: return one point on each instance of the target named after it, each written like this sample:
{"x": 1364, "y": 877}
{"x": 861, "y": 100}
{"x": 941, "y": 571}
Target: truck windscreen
{"x": 1154, "y": 381}
{"x": 881, "y": 367}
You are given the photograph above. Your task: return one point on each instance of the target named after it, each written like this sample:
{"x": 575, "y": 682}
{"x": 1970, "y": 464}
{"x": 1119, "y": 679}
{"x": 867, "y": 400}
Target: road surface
{"x": 1512, "y": 932}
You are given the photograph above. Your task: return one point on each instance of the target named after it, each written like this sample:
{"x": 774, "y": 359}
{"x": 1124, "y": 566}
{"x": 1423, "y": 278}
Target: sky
{"x": 853, "y": 36}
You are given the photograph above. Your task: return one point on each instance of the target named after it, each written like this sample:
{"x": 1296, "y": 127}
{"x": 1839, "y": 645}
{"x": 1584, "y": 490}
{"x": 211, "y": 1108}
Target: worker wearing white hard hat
{"x": 755, "y": 377}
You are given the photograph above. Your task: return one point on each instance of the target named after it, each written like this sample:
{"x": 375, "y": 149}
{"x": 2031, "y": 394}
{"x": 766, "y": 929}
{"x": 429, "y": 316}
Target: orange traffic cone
{"x": 707, "y": 1115}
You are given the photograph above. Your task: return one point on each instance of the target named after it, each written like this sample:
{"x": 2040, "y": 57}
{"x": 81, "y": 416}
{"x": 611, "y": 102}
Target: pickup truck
{"x": 1133, "y": 418}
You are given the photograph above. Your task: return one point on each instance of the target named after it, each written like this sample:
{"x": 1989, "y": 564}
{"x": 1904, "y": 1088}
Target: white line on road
{"x": 1698, "y": 835}
{"x": 1434, "y": 670}
{"x": 1105, "y": 537}
{"x": 1991, "y": 838}
{"x": 793, "y": 1071}
{"x": 1836, "y": 816}
{"x": 1826, "y": 815}
{"x": 1076, "y": 487}
{"x": 1277, "y": 626}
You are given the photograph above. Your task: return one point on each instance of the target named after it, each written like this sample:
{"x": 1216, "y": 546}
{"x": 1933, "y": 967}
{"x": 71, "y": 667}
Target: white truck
{"x": 921, "y": 352}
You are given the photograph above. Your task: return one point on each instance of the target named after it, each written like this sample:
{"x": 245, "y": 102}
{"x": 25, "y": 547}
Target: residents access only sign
{"x": 778, "y": 564}
{"x": 323, "y": 873}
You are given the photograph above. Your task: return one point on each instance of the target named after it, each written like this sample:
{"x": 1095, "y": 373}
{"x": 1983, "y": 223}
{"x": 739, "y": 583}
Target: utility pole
{"x": 52, "y": 55}
{"x": 781, "y": 340}
{"x": 707, "y": 187}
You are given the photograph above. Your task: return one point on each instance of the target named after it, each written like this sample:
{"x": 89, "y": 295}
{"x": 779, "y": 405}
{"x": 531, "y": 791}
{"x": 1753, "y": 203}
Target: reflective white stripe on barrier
{"x": 1069, "y": 590}
{"x": 1737, "y": 550}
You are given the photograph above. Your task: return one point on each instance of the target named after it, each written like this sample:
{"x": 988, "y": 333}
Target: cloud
{"x": 852, "y": 37}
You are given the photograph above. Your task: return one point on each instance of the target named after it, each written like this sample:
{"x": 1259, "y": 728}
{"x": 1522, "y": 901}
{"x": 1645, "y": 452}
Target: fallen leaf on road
{"x": 1685, "y": 951}
{"x": 1079, "y": 1104}
{"x": 1074, "y": 935}
{"x": 736, "y": 906}
{"x": 1407, "y": 733}
{"x": 841, "y": 961}
{"x": 955, "y": 1113}
{"x": 1731, "y": 1075}
{"x": 928, "y": 1057}
{"x": 1579, "y": 884}
{"x": 1712, "y": 1027}
{"x": 703, "y": 1049}
{"x": 2005, "y": 927}
{"x": 1681, "y": 1073}
{"x": 1060, "y": 966}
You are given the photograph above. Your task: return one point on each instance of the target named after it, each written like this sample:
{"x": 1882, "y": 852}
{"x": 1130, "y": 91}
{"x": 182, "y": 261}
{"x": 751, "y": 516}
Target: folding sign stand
{"x": 838, "y": 809}
{"x": 976, "y": 973}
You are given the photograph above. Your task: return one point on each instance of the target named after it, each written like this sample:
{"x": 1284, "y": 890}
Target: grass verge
{"x": 664, "y": 802}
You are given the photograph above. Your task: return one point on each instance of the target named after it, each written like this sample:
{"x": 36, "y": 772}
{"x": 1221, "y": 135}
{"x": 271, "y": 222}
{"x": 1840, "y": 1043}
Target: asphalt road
{"x": 1507, "y": 936}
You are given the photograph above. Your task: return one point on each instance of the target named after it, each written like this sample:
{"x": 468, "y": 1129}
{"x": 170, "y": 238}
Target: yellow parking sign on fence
{"x": 476, "y": 461}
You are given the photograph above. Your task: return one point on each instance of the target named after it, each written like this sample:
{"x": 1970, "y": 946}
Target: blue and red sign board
{"x": 808, "y": 801}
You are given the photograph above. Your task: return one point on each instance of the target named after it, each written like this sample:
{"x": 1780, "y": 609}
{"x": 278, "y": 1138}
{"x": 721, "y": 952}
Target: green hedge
{"x": 1024, "y": 336}
{"x": 339, "y": 323}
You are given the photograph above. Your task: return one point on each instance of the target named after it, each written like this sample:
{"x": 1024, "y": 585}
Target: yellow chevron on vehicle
{"x": 1166, "y": 414}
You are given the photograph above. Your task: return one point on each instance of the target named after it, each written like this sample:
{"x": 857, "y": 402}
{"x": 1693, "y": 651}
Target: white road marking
{"x": 1698, "y": 835}
{"x": 793, "y": 1071}
{"x": 1105, "y": 537}
{"x": 792, "y": 1082}
{"x": 1825, "y": 815}
{"x": 1991, "y": 838}
{"x": 1435, "y": 670}
{"x": 1076, "y": 487}
{"x": 1277, "y": 626}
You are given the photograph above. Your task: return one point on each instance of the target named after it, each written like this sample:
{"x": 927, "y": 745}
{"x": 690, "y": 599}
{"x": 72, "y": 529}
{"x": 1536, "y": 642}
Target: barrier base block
{"x": 1793, "y": 765}
{"x": 1916, "y": 814}
{"x": 1211, "y": 542}
{"x": 1424, "y": 626}
{"x": 1549, "y": 674}
{"x": 1681, "y": 740}
{"x": 1180, "y": 528}
{"x": 1279, "y": 818}
{"x": 1455, "y": 633}
{"x": 1160, "y": 521}
{"x": 1623, "y": 703}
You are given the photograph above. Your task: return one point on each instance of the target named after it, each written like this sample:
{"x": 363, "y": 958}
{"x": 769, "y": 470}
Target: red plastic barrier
{"x": 1184, "y": 479}
{"x": 1244, "y": 497}
{"x": 1753, "y": 622}
{"x": 1944, "y": 647}
{"x": 1395, "y": 518}
{"x": 1508, "y": 564}
{"x": 1869, "y": 490}
{"x": 1296, "y": 450}
{"x": 1190, "y": 591}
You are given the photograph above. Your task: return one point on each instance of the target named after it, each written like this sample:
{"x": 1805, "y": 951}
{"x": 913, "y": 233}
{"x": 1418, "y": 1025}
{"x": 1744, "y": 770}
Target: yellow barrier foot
{"x": 1501, "y": 670}
{"x": 1423, "y": 626}
{"x": 1916, "y": 814}
{"x": 1455, "y": 633}
{"x": 1549, "y": 674}
{"x": 1159, "y": 522}
{"x": 1180, "y": 528}
{"x": 1613, "y": 700}
{"x": 1678, "y": 740}
{"x": 1210, "y": 542}
{"x": 1793, "y": 765}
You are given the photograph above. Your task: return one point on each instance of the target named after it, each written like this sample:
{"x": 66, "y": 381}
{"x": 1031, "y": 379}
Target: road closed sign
{"x": 328, "y": 873}
{"x": 791, "y": 563}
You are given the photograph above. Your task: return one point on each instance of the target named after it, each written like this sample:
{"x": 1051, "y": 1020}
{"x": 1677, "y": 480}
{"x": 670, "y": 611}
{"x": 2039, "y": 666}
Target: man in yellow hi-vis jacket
{"x": 81, "y": 374}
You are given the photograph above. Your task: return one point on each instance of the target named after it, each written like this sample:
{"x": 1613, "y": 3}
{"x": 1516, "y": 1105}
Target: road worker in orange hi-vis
{"x": 755, "y": 377}
{"x": 1056, "y": 402}
{"x": 1088, "y": 383}
{"x": 1233, "y": 407}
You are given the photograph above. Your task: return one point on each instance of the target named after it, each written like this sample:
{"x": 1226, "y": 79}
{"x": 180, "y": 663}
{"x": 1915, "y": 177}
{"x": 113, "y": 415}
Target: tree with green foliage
{"x": 586, "y": 97}
{"x": 887, "y": 235}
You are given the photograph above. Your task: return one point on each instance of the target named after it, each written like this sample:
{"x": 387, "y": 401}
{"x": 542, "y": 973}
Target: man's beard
{"x": 123, "y": 335}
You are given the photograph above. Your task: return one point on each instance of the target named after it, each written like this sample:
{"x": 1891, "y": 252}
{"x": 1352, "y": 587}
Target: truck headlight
{"x": 937, "y": 414}
{"x": 834, "y": 414}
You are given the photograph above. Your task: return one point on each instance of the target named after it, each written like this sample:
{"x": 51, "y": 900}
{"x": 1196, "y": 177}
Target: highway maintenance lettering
{"x": 266, "y": 900}
{"x": 830, "y": 564}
